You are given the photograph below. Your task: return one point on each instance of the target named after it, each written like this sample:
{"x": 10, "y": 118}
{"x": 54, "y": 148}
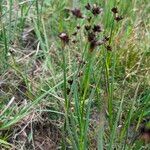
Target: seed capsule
{"x": 77, "y": 13}
{"x": 88, "y": 6}
{"x": 97, "y": 28}
{"x": 114, "y": 10}
{"x": 96, "y": 10}
{"x": 70, "y": 81}
{"x": 91, "y": 36}
{"x": 64, "y": 37}
{"x": 87, "y": 27}
{"x": 109, "y": 48}
{"x": 118, "y": 18}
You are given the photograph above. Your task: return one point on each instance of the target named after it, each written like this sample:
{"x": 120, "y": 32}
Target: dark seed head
{"x": 70, "y": 81}
{"x": 64, "y": 37}
{"x": 118, "y": 18}
{"x": 81, "y": 61}
{"x": 93, "y": 44}
{"x": 80, "y": 74}
{"x": 74, "y": 34}
{"x": 89, "y": 19}
{"x": 77, "y": 13}
{"x": 88, "y": 6}
{"x": 74, "y": 41}
{"x": 91, "y": 36}
{"x": 97, "y": 28}
{"x": 87, "y": 27}
{"x": 109, "y": 48}
{"x": 114, "y": 10}
{"x": 68, "y": 91}
{"x": 106, "y": 38}
{"x": 96, "y": 10}
{"x": 78, "y": 27}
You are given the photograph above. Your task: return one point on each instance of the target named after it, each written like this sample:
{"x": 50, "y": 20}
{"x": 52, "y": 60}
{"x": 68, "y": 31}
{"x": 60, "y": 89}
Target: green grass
{"x": 108, "y": 100}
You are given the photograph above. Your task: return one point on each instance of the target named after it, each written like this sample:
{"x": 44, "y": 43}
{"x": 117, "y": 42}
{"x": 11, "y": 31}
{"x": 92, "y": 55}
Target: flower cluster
{"x": 93, "y": 31}
{"x": 77, "y": 13}
{"x": 95, "y": 9}
{"x": 64, "y": 37}
{"x": 116, "y": 14}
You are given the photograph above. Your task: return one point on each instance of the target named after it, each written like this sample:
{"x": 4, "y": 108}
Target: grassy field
{"x": 74, "y": 75}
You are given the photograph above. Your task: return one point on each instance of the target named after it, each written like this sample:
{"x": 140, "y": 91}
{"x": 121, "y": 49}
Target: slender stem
{"x": 65, "y": 80}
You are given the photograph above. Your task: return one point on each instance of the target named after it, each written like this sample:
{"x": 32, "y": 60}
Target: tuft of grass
{"x": 90, "y": 87}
